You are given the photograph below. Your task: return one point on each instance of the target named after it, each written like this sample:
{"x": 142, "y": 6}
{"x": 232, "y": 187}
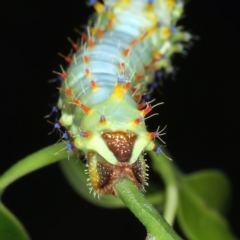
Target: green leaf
{"x": 197, "y": 213}
{"x": 10, "y": 227}
{"x": 214, "y": 188}
{"x": 32, "y": 163}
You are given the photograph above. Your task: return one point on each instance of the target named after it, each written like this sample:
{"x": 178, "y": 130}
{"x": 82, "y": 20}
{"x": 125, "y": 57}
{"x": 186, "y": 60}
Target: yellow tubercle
{"x": 165, "y": 32}
{"x": 99, "y": 7}
{"x": 157, "y": 54}
{"x": 150, "y": 13}
{"x": 149, "y": 8}
{"x": 118, "y": 92}
{"x": 171, "y": 4}
{"x": 93, "y": 30}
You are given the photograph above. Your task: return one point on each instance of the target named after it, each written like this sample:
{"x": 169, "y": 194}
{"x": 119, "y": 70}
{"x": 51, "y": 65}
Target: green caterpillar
{"x": 102, "y": 94}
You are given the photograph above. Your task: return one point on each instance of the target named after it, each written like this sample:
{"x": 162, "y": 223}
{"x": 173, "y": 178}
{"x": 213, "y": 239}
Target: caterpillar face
{"x": 104, "y": 174}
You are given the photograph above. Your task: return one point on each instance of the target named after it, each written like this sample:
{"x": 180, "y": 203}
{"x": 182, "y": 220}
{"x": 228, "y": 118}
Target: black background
{"x": 201, "y": 110}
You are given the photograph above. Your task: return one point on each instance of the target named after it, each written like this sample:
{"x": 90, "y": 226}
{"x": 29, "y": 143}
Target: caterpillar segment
{"x": 102, "y": 94}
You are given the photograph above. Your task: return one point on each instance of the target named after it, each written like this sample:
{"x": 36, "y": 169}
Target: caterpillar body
{"x": 102, "y": 91}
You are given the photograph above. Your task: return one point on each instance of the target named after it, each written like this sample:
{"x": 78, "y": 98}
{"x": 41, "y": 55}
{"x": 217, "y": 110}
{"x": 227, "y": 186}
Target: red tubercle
{"x": 137, "y": 96}
{"x": 134, "y": 89}
{"x": 84, "y": 36}
{"x": 69, "y": 91}
{"x": 155, "y": 60}
{"x": 146, "y": 111}
{"x": 76, "y": 101}
{"x": 85, "y": 108}
{"x": 152, "y": 135}
{"x": 63, "y": 75}
{"x": 94, "y": 85}
{"x": 85, "y": 59}
{"x": 126, "y": 52}
{"x": 88, "y": 73}
{"x": 127, "y": 86}
{"x": 141, "y": 105}
{"x": 139, "y": 77}
{"x": 74, "y": 45}
{"x": 99, "y": 33}
{"x": 147, "y": 67}
{"x": 68, "y": 59}
{"x": 134, "y": 42}
{"x": 137, "y": 121}
{"x": 90, "y": 43}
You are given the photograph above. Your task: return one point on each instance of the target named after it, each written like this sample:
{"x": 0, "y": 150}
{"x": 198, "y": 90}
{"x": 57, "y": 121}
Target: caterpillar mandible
{"x": 102, "y": 92}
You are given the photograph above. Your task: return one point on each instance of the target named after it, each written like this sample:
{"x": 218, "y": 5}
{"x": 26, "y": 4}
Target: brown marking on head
{"x": 121, "y": 143}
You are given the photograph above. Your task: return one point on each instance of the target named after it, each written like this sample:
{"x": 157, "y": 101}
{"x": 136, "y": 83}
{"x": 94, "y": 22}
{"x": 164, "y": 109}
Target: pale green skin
{"x": 121, "y": 111}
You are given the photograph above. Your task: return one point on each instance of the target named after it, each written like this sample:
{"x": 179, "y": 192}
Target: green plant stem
{"x": 155, "y": 224}
{"x": 31, "y": 163}
{"x": 167, "y": 171}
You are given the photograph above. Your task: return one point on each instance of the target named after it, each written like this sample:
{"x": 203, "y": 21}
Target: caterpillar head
{"x": 119, "y": 158}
